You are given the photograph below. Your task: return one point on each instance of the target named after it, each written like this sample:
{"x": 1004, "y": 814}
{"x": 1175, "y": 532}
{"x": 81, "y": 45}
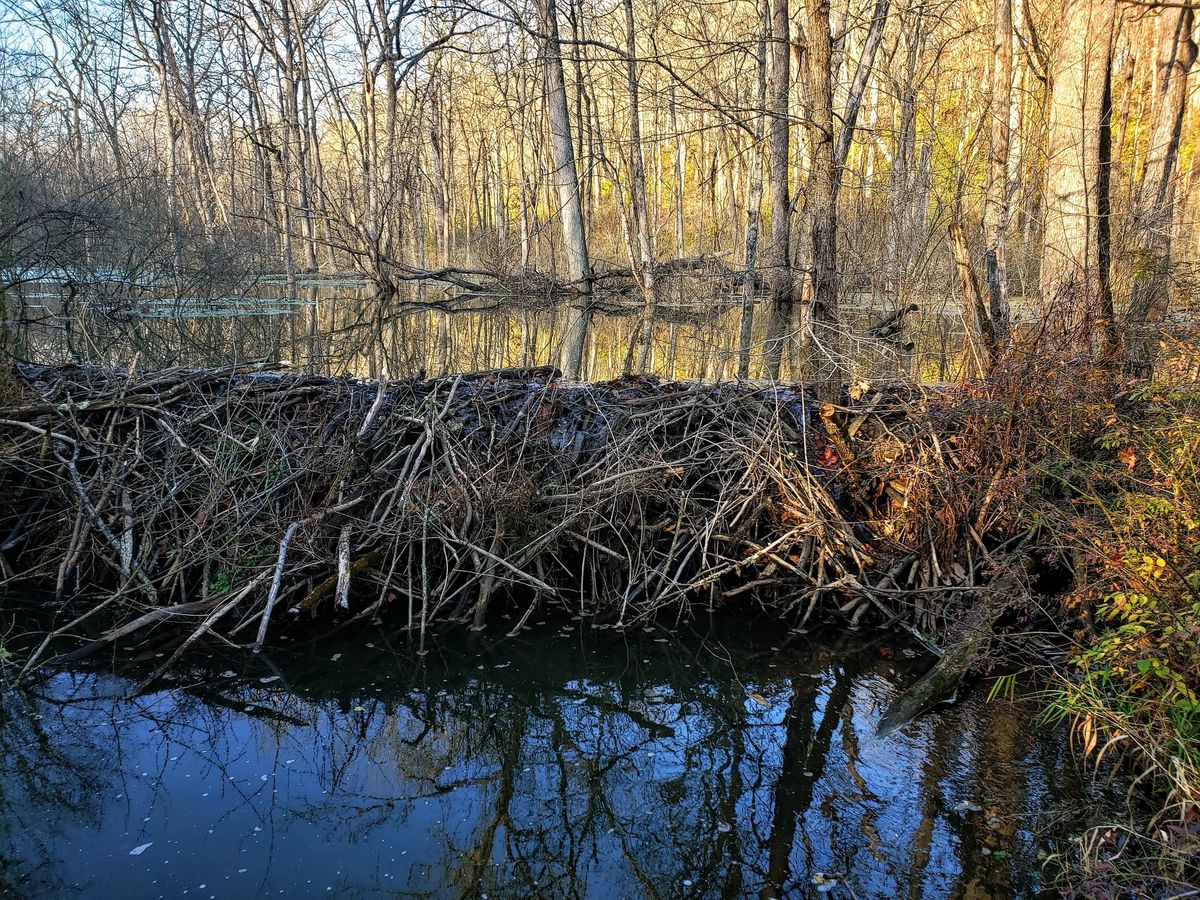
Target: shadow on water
{"x": 567, "y": 762}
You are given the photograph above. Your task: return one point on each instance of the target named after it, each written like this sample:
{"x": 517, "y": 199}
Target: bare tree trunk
{"x": 564, "y": 177}
{"x": 499, "y": 191}
{"x": 983, "y": 336}
{"x": 995, "y": 208}
{"x": 1072, "y": 278}
{"x": 441, "y": 189}
{"x": 680, "y": 174}
{"x": 754, "y": 207}
{"x": 641, "y": 213}
{"x": 1107, "y": 316}
{"x": 904, "y": 175}
{"x": 1154, "y": 213}
{"x": 826, "y": 360}
{"x": 779, "y": 275}
{"x": 441, "y": 218}
{"x": 858, "y": 86}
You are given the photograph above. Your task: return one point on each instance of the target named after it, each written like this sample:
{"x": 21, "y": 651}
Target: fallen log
{"x": 941, "y": 683}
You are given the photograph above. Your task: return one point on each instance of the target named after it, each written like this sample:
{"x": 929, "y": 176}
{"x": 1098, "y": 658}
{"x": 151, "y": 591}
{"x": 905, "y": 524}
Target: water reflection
{"x": 338, "y": 327}
{"x": 561, "y": 765}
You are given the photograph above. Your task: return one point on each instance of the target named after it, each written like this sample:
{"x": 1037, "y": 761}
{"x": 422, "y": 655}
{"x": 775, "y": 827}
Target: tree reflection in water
{"x": 336, "y": 328}
{"x": 564, "y": 764}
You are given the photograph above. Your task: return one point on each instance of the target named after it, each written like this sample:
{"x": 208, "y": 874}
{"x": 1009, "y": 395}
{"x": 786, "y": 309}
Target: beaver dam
{"x": 157, "y": 510}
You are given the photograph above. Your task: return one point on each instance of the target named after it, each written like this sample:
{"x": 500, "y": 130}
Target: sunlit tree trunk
{"x": 904, "y": 175}
{"x": 1154, "y": 212}
{"x": 858, "y": 85}
{"x": 441, "y": 188}
{"x": 566, "y": 180}
{"x": 1073, "y": 280}
{"x": 680, "y": 176}
{"x": 981, "y": 329}
{"x": 753, "y": 208}
{"x": 641, "y": 212}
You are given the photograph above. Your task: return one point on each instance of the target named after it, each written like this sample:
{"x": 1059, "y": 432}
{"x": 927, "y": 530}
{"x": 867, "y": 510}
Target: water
{"x": 342, "y": 327}
{"x": 563, "y": 763}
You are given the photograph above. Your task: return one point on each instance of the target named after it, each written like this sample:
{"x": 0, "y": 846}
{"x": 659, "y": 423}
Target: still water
{"x": 566, "y": 762}
{"x": 340, "y": 327}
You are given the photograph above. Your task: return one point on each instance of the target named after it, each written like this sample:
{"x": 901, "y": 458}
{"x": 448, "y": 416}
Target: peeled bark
{"x": 981, "y": 326}
{"x": 1154, "y": 214}
{"x": 566, "y": 180}
{"x": 1073, "y": 278}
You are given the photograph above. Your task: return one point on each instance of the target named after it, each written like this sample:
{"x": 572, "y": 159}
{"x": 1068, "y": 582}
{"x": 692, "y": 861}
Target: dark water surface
{"x": 562, "y": 763}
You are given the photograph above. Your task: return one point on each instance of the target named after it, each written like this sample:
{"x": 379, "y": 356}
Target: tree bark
{"x": 1154, "y": 212}
{"x": 680, "y": 176}
{"x": 995, "y": 203}
{"x": 1073, "y": 281}
{"x": 858, "y": 86}
{"x": 754, "y": 207}
{"x": 980, "y": 323}
{"x": 826, "y": 360}
{"x": 904, "y": 180}
{"x": 566, "y": 180}
{"x": 641, "y": 212}
{"x": 779, "y": 267}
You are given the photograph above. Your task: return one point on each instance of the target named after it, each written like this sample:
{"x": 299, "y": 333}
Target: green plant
{"x": 1004, "y": 686}
{"x": 1131, "y": 690}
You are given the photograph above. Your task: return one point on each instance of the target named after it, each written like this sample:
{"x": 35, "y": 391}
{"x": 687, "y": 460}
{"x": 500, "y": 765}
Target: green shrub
{"x": 1131, "y": 688}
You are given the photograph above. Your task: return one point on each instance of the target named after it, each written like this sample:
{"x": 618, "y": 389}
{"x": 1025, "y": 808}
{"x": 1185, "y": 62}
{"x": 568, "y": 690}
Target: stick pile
{"x": 230, "y": 503}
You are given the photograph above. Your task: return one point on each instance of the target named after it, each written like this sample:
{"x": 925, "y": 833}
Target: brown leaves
{"x": 1129, "y": 457}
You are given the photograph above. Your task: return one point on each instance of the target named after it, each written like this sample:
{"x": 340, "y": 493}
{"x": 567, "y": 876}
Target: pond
{"x": 569, "y": 761}
{"x": 342, "y": 327}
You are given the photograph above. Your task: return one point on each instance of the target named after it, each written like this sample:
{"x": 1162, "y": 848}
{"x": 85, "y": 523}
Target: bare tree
{"x": 1073, "y": 278}
{"x": 778, "y": 257}
{"x": 1154, "y": 213}
{"x": 825, "y": 357}
{"x": 753, "y": 204}
{"x": 566, "y": 180}
{"x": 995, "y": 210}
{"x": 641, "y": 213}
